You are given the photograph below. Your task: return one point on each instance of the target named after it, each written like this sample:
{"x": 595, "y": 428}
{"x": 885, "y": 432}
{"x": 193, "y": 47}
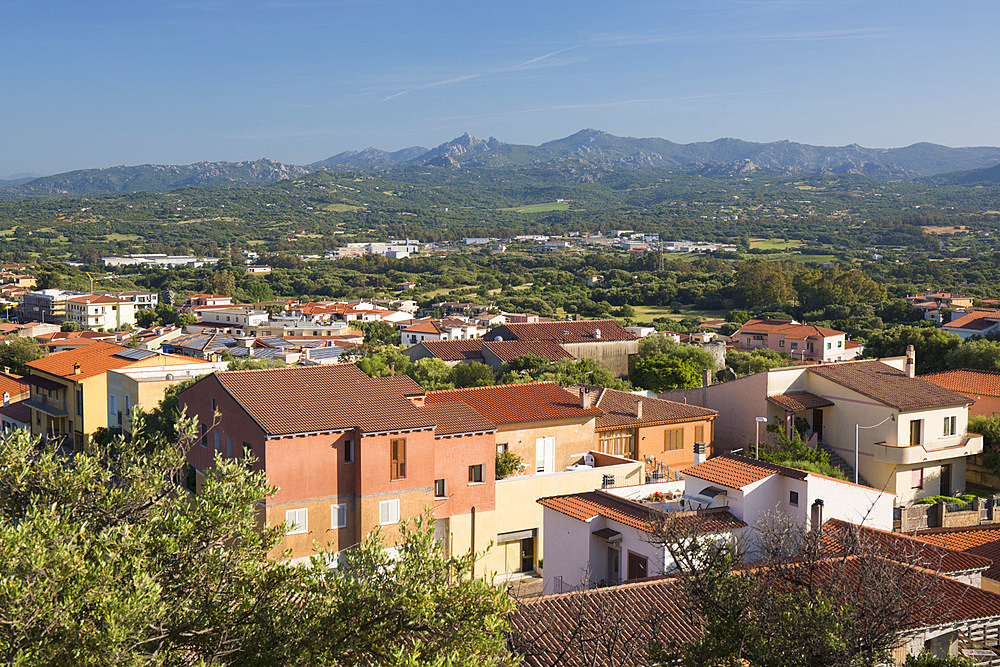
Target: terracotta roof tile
{"x": 462, "y": 349}
{"x": 90, "y": 299}
{"x": 308, "y": 399}
{"x": 580, "y": 331}
{"x": 976, "y": 320}
{"x": 967, "y": 381}
{"x": 94, "y": 359}
{"x": 12, "y": 384}
{"x": 585, "y": 506}
{"x": 888, "y": 385}
{"x": 735, "y": 472}
{"x": 509, "y": 350}
{"x": 517, "y": 403}
{"x": 799, "y": 400}
{"x": 981, "y": 541}
{"x": 620, "y": 408}
{"x": 787, "y": 328}
{"x": 18, "y": 411}
{"x": 457, "y": 417}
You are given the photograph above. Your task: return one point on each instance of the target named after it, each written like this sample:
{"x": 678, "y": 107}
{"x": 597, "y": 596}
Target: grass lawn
{"x": 339, "y": 208}
{"x": 774, "y": 244}
{"x": 646, "y": 314}
{"x": 539, "y": 208}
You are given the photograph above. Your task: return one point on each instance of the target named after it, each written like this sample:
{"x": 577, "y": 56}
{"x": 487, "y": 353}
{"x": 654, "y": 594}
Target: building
{"x": 144, "y": 387}
{"x": 142, "y": 300}
{"x": 349, "y": 454}
{"x": 980, "y": 387}
{"x": 667, "y": 435}
{"x": 214, "y": 300}
{"x": 47, "y": 305}
{"x": 69, "y": 390}
{"x": 805, "y": 342}
{"x": 159, "y": 260}
{"x": 242, "y": 317}
{"x": 493, "y": 353}
{"x": 974, "y": 323}
{"x": 979, "y": 541}
{"x": 261, "y": 269}
{"x": 97, "y": 311}
{"x": 447, "y": 329}
{"x": 908, "y": 435}
{"x": 13, "y": 388}
{"x": 605, "y": 341}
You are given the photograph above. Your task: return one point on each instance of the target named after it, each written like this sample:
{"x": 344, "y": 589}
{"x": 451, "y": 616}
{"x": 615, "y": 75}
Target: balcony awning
{"x": 47, "y": 408}
{"x": 43, "y": 383}
{"x": 608, "y": 534}
{"x": 799, "y": 400}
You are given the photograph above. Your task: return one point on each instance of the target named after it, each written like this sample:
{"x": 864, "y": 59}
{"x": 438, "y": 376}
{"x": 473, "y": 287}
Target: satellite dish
{"x": 170, "y": 376}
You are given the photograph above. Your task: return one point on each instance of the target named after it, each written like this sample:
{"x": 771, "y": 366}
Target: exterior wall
{"x": 860, "y": 505}
{"x": 567, "y": 544}
{"x": 987, "y": 406}
{"x": 650, "y": 442}
{"x": 738, "y": 402}
{"x": 573, "y": 438}
{"x": 518, "y": 509}
{"x": 612, "y": 353}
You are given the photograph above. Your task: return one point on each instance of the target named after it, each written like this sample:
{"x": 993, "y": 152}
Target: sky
{"x": 104, "y": 83}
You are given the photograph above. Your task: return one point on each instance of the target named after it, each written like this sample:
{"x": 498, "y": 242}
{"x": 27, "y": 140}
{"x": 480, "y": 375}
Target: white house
{"x": 97, "y": 311}
{"x": 234, "y": 317}
{"x": 975, "y": 323}
{"x": 447, "y": 329}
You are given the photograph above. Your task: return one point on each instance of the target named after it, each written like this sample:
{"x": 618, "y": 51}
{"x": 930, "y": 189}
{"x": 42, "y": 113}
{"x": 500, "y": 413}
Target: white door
{"x": 545, "y": 455}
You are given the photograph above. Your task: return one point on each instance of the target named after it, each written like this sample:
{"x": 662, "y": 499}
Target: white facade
{"x": 234, "y": 317}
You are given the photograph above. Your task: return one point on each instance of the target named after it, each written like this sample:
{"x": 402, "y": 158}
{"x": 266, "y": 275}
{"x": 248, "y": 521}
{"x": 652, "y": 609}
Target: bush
{"x": 508, "y": 464}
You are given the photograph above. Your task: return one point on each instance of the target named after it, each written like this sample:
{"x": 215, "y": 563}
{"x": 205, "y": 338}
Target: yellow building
{"x": 69, "y": 391}
{"x": 144, "y": 386}
{"x": 100, "y": 311}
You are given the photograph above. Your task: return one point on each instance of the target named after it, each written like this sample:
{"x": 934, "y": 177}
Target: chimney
{"x": 638, "y": 410}
{"x": 597, "y": 334}
{"x": 699, "y": 452}
{"x": 911, "y": 361}
{"x": 585, "y": 397}
{"x": 706, "y": 377}
{"x": 76, "y": 369}
{"x": 817, "y": 514}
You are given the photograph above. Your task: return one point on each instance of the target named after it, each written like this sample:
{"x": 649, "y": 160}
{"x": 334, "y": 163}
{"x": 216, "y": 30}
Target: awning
{"x": 799, "y": 400}
{"x": 43, "y": 383}
{"x": 517, "y": 535}
{"x": 606, "y": 534}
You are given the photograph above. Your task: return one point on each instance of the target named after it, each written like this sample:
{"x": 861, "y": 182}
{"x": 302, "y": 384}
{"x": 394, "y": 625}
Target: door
{"x": 612, "y": 576}
{"x": 637, "y": 566}
{"x": 818, "y": 423}
{"x": 945, "y": 480}
{"x": 527, "y": 554}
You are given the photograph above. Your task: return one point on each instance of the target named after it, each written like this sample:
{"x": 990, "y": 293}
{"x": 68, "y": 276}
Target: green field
{"x": 340, "y": 208}
{"x": 774, "y": 244}
{"x": 646, "y": 314}
{"x": 539, "y": 208}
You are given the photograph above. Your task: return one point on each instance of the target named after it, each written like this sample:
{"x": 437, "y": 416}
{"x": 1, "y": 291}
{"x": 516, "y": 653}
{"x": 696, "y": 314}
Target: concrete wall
{"x": 738, "y": 403}
{"x": 573, "y": 438}
{"x": 612, "y": 353}
{"x": 650, "y": 442}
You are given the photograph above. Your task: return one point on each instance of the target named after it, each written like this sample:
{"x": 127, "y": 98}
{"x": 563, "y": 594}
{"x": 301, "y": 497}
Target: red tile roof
{"x": 18, "y": 411}
{"x": 787, "y": 328}
{"x": 967, "y": 381}
{"x": 590, "y": 504}
{"x": 518, "y": 403}
{"x": 13, "y": 385}
{"x": 91, "y": 299}
{"x": 976, "y": 320}
{"x": 457, "y": 417}
{"x": 888, "y": 385}
{"x": 620, "y": 408}
{"x": 981, "y": 541}
{"x": 312, "y": 399}
{"x": 94, "y": 358}
{"x": 799, "y": 400}
{"x": 580, "y": 331}
{"x": 509, "y": 350}
{"x": 736, "y": 472}
{"x": 462, "y": 349}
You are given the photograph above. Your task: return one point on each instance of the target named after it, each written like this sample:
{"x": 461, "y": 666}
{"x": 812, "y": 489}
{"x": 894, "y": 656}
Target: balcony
{"x": 48, "y": 406}
{"x": 947, "y": 448}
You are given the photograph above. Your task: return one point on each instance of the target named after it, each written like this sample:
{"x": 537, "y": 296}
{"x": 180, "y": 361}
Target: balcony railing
{"x": 966, "y": 445}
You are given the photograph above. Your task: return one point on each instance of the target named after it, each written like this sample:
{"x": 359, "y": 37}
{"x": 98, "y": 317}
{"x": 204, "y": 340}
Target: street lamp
{"x": 857, "y": 433}
{"x": 759, "y": 420}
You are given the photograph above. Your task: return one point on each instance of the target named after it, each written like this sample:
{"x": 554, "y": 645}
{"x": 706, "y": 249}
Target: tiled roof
{"x": 977, "y": 320}
{"x": 589, "y": 504}
{"x": 841, "y": 537}
{"x": 967, "y": 381}
{"x": 18, "y": 411}
{"x": 509, "y": 350}
{"x": 517, "y": 403}
{"x": 580, "y": 331}
{"x": 91, "y": 299}
{"x": 323, "y": 398}
{"x": 12, "y": 384}
{"x": 462, "y": 349}
{"x": 620, "y": 408}
{"x": 982, "y": 541}
{"x": 457, "y": 417}
{"x": 787, "y": 328}
{"x": 888, "y": 385}
{"x": 735, "y": 472}
{"x": 799, "y": 400}
{"x": 94, "y": 359}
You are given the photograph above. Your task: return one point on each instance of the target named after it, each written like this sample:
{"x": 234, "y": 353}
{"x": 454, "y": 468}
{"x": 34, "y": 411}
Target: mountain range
{"x": 587, "y": 148}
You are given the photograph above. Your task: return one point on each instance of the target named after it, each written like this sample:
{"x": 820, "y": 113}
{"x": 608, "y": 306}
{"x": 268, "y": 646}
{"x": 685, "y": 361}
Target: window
{"x": 348, "y": 451}
{"x": 213, "y": 405}
{"x": 829, "y": 346}
{"x": 618, "y": 442}
{"x": 638, "y": 566}
{"x": 397, "y": 456}
{"x": 229, "y": 446}
{"x": 950, "y": 425}
{"x": 439, "y": 489}
{"x": 781, "y": 343}
{"x": 79, "y": 403}
{"x": 673, "y": 439}
{"x": 501, "y": 448}
{"x": 545, "y": 455}
{"x": 476, "y": 473}
{"x": 388, "y": 512}
{"x": 915, "y": 428}
{"x": 338, "y": 515}
{"x": 112, "y": 404}
{"x": 699, "y": 434}
{"x": 918, "y": 478}
{"x": 297, "y": 520}
{"x": 795, "y": 346}
{"x": 204, "y": 436}
{"x": 215, "y": 441}
{"x": 793, "y": 498}
{"x": 128, "y": 403}
{"x": 840, "y": 343}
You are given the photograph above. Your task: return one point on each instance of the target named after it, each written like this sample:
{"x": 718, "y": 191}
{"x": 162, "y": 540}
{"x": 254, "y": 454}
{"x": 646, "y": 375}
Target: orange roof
{"x": 581, "y": 331}
{"x": 787, "y": 328}
{"x": 967, "y": 381}
{"x": 457, "y": 417}
{"x": 509, "y": 350}
{"x": 91, "y": 299}
{"x": 977, "y": 320}
{"x": 209, "y": 296}
{"x": 982, "y": 541}
{"x": 459, "y": 349}
{"x": 621, "y": 408}
{"x": 12, "y": 384}
{"x": 888, "y": 385}
{"x": 736, "y": 472}
{"x": 94, "y": 359}
{"x": 517, "y": 403}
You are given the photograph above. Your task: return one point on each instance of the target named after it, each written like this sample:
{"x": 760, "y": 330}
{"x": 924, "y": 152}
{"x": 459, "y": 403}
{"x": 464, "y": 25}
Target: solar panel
{"x": 135, "y": 354}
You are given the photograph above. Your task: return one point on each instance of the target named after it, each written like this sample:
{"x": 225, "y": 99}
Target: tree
{"x": 431, "y": 373}
{"x": 257, "y": 291}
{"x": 107, "y": 559}
{"x": 755, "y": 361}
{"x": 381, "y": 361}
{"x": 508, "y": 464}
{"x": 253, "y": 363}
{"x": 145, "y": 317}
{"x": 761, "y": 283}
{"x": 16, "y": 352}
{"x": 378, "y": 333}
{"x": 473, "y": 374}
{"x": 70, "y": 326}
{"x": 663, "y": 373}
{"x": 930, "y": 345}
{"x": 982, "y": 354}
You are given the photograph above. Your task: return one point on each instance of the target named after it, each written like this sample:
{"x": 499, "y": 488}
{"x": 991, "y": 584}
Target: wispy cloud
{"x": 434, "y": 84}
{"x": 546, "y": 56}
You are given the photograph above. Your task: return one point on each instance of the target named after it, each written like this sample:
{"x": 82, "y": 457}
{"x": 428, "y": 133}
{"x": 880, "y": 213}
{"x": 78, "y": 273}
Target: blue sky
{"x": 100, "y": 83}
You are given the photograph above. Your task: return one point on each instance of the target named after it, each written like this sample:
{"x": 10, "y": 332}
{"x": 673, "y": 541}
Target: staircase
{"x": 837, "y": 461}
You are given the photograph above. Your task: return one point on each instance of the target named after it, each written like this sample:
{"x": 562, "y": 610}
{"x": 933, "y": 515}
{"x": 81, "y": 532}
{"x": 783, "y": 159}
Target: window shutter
{"x": 540, "y": 455}
{"x": 550, "y": 454}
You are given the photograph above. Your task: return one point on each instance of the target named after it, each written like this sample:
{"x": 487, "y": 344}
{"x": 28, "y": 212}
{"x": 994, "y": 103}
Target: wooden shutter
{"x": 398, "y": 459}
{"x": 699, "y": 434}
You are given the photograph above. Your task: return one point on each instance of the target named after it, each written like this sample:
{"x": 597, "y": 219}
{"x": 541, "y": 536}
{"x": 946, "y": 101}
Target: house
{"x": 974, "y": 323}
{"x": 238, "y": 317}
{"x": 261, "y": 269}
{"x": 207, "y": 300}
{"x": 596, "y": 538}
{"x": 446, "y": 329}
{"x": 605, "y": 341}
{"x": 47, "y": 305}
{"x": 670, "y": 436}
{"x": 13, "y": 388}
{"x": 69, "y": 390}
{"x": 980, "y": 387}
{"x": 494, "y": 353}
{"x": 142, "y": 300}
{"x": 451, "y": 352}
{"x": 96, "y": 311}
{"x": 349, "y": 454}
{"x": 906, "y": 434}
{"x": 143, "y": 387}
{"x": 406, "y": 285}
{"x": 520, "y": 318}
{"x": 15, "y": 415}
{"x": 805, "y": 342}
